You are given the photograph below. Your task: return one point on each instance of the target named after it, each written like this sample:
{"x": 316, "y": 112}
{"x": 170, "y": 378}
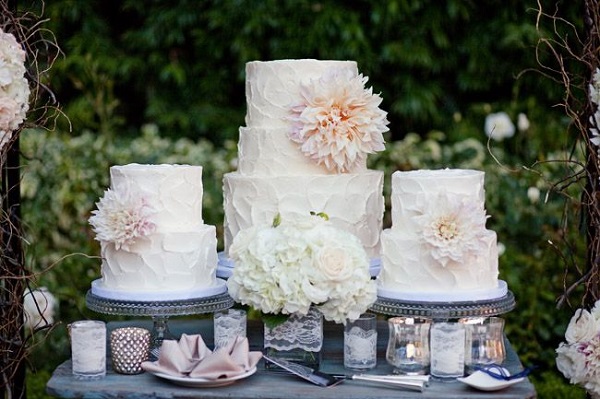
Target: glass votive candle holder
{"x": 408, "y": 345}
{"x": 129, "y": 347}
{"x": 88, "y": 349}
{"x": 228, "y": 324}
{"x": 484, "y": 343}
{"x": 360, "y": 343}
{"x": 447, "y": 347}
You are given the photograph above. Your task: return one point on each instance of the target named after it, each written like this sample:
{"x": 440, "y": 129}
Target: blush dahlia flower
{"x": 338, "y": 121}
{"x": 122, "y": 219}
{"x": 452, "y": 227}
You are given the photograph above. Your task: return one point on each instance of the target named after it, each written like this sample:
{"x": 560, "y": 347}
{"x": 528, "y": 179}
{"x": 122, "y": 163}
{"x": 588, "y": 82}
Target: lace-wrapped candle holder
{"x": 229, "y": 324}
{"x": 299, "y": 339}
{"x": 360, "y": 343}
{"x": 129, "y": 346}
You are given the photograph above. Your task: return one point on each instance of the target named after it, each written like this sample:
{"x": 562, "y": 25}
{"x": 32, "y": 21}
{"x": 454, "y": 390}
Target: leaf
{"x": 277, "y": 220}
{"x": 273, "y": 320}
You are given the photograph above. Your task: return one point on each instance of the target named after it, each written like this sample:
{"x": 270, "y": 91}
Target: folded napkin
{"x": 191, "y": 357}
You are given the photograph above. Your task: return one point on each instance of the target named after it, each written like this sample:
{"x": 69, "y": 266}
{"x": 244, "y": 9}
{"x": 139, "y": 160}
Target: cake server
{"x": 416, "y": 383}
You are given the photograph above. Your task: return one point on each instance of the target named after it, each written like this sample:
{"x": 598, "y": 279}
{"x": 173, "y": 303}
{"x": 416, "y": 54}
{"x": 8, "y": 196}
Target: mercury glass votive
{"x": 129, "y": 346}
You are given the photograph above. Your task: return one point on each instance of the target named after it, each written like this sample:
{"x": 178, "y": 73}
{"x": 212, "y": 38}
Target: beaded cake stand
{"x": 160, "y": 311}
{"x": 445, "y": 310}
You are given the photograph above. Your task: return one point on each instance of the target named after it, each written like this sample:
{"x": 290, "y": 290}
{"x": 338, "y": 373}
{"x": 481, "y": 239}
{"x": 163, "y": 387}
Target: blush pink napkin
{"x": 191, "y": 357}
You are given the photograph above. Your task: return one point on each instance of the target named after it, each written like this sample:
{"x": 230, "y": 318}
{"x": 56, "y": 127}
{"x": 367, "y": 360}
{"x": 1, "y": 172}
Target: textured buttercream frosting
{"x": 352, "y": 202}
{"x": 180, "y": 253}
{"x": 274, "y": 176}
{"x": 412, "y": 261}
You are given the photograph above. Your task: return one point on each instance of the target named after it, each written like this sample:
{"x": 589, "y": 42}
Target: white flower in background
{"x": 121, "y": 219}
{"x": 501, "y": 248}
{"x": 498, "y": 126}
{"x": 339, "y": 121}
{"x": 452, "y": 227}
{"x": 39, "y": 307}
{"x": 295, "y": 264}
{"x": 522, "y": 122}
{"x": 533, "y": 193}
{"x": 14, "y": 87}
{"x": 578, "y": 359}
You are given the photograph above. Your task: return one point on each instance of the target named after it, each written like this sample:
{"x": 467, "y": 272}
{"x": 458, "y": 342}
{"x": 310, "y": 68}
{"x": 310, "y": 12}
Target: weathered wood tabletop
{"x": 267, "y": 384}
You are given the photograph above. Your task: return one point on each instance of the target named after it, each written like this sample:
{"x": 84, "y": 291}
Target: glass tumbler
{"x": 408, "y": 345}
{"x": 447, "y": 350}
{"x": 360, "y": 343}
{"x": 227, "y": 325}
{"x": 484, "y": 342}
{"x": 88, "y": 349}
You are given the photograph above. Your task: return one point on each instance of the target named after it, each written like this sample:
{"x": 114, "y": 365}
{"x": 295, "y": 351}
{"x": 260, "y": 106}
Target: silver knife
{"x": 316, "y": 377}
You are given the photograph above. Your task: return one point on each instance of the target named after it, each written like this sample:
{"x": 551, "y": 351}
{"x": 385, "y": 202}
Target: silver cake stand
{"x": 160, "y": 311}
{"x": 445, "y": 310}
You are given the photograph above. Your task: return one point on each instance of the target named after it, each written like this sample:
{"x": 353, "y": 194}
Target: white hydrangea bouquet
{"x": 578, "y": 359}
{"x": 293, "y": 265}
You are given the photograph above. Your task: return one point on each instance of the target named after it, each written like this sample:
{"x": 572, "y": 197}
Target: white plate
{"x": 152, "y": 296}
{"x": 203, "y": 382}
{"x": 484, "y": 382}
{"x": 460, "y": 296}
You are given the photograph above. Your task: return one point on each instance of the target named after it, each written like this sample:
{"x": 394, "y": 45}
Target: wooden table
{"x": 267, "y": 384}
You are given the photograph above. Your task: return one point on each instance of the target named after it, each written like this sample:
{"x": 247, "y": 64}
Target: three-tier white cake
{"x": 309, "y": 126}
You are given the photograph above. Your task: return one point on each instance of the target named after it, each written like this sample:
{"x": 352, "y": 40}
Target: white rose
{"x": 570, "y": 362}
{"x": 334, "y": 263}
{"x": 582, "y": 327}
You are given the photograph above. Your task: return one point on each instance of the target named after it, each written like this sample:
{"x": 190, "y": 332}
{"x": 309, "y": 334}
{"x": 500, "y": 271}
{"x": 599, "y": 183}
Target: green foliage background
{"x": 163, "y": 81}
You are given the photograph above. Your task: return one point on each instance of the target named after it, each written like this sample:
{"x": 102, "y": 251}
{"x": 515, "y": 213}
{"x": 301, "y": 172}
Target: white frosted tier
{"x": 353, "y": 202}
{"x": 162, "y": 262}
{"x": 407, "y": 266}
{"x": 273, "y": 86}
{"x": 174, "y": 191}
{"x": 269, "y": 151}
{"x": 411, "y": 189}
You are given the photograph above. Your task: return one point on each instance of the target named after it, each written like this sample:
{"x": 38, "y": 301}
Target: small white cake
{"x": 298, "y": 114}
{"x": 154, "y": 243}
{"x": 438, "y": 246}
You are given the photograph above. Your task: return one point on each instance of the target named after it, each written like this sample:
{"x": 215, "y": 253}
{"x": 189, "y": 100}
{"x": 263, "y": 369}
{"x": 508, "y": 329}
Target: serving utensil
{"x": 416, "y": 383}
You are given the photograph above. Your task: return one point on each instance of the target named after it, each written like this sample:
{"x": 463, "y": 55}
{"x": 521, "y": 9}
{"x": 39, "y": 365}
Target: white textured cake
{"x": 154, "y": 243}
{"x": 438, "y": 246}
{"x": 309, "y": 127}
